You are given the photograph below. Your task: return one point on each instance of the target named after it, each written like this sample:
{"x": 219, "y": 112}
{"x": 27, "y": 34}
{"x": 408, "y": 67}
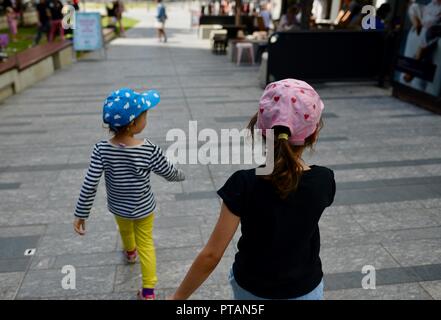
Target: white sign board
{"x": 88, "y": 34}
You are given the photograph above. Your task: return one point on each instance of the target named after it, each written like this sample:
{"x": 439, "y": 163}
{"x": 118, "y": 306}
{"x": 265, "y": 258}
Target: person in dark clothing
{"x": 278, "y": 211}
{"x": 44, "y": 24}
{"x": 56, "y": 7}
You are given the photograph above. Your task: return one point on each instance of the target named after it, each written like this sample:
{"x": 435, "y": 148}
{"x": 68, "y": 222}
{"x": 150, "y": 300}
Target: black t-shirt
{"x": 56, "y": 8}
{"x": 278, "y": 252}
{"x": 42, "y": 9}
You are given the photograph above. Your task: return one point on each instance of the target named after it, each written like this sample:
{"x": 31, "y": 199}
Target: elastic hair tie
{"x": 283, "y": 136}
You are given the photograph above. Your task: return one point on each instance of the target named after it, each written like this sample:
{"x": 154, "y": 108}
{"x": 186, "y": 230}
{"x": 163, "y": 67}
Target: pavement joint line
{"x": 410, "y": 274}
{"x": 336, "y": 167}
{"x": 324, "y": 98}
{"x": 11, "y": 133}
{"x": 9, "y": 185}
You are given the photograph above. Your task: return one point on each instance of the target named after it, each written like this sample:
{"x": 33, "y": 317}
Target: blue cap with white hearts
{"x": 124, "y": 105}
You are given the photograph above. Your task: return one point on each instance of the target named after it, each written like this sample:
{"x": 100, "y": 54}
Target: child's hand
{"x": 80, "y": 226}
{"x": 180, "y": 175}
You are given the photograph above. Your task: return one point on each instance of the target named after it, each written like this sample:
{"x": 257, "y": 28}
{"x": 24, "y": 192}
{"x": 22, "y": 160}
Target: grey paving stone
{"x": 188, "y": 208}
{"x": 433, "y": 288}
{"x": 90, "y": 260}
{"x": 128, "y": 278}
{"x": 407, "y": 291}
{"x": 197, "y": 195}
{"x": 178, "y": 237}
{"x": 59, "y": 244}
{"x": 9, "y": 283}
{"x": 22, "y": 231}
{"x": 407, "y": 234}
{"x": 396, "y": 220}
{"x": 9, "y": 186}
{"x": 28, "y": 132}
{"x": 175, "y": 254}
{"x": 213, "y": 292}
{"x": 377, "y": 194}
{"x": 47, "y": 167}
{"x": 399, "y": 163}
{"x": 47, "y": 283}
{"x": 388, "y": 206}
{"x": 353, "y": 258}
{"x": 38, "y": 263}
{"x": 416, "y": 252}
{"x": 15, "y": 247}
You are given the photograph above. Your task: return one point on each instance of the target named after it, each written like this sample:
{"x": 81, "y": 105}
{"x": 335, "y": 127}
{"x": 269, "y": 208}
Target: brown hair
{"x": 115, "y": 131}
{"x": 287, "y": 167}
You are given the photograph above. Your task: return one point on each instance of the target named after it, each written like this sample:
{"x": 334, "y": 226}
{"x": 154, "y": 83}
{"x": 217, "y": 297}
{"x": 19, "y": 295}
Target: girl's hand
{"x": 80, "y": 226}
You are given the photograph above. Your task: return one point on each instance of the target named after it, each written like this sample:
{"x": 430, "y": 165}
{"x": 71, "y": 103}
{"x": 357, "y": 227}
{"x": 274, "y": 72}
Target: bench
{"x": 342, "y": 55}
{"x": 32, "y": 65}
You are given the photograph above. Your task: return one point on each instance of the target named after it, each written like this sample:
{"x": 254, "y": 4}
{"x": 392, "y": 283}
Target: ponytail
{"x": 287, "y": 159}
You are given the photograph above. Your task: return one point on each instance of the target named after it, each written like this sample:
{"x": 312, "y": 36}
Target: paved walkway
{"x": 386, "y": 155}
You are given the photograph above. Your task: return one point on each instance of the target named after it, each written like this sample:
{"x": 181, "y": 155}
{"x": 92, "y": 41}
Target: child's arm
{"x": 210, "y": 255}
{"x": 88, "y": 191}
{"x": 162, "y": 166}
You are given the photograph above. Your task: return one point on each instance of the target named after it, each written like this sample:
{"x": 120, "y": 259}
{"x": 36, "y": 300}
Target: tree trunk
{"x": 238, "y": 12}
{"x": 306, "y": 14}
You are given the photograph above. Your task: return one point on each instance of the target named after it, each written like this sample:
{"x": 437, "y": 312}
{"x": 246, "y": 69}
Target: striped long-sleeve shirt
{"x": 127, "y": 175}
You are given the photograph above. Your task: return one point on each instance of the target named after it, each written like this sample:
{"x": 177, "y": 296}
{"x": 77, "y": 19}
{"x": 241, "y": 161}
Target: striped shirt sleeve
{"x": 162, "y": 166}
{"x": 90, "y": 185}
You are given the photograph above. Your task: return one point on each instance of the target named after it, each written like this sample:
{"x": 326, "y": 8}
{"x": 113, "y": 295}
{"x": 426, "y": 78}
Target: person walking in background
{"x": 161, "y": 17}
{"x": 76, "y": 4}
{"x": 11, "y": 17}
{"x": 118, "y": 7}
{"x": 43, "y": 21}
{"x": 278, "y": 251}
{"x": 290, "y": 21}
{"x": 127, "y": 163}
{"x": 266, "y": 16}
{"x": 56, "y": 11}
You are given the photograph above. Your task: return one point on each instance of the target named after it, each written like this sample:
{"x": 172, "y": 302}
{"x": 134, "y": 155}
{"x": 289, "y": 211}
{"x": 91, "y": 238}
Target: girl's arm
{"x": 88, "y": 191}
{"x": 210, "y": 255}
{"x": 162, "y": 166}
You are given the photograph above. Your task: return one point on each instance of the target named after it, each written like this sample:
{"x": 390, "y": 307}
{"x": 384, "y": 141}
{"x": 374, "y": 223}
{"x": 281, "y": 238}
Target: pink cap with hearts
{"x": 293, "y": 104}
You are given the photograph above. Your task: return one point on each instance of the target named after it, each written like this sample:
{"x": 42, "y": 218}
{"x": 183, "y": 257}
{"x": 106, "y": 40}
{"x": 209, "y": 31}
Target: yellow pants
{"x": 138, "y": 234}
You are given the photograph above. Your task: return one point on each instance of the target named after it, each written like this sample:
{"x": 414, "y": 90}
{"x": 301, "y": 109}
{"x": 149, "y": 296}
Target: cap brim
{"x": 152, "y": 98}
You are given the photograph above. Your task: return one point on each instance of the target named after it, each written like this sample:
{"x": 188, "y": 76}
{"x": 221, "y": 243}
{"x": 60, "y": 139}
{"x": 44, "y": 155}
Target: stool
{"x": 220, "y": 44}
{"x": 247, "y": 46}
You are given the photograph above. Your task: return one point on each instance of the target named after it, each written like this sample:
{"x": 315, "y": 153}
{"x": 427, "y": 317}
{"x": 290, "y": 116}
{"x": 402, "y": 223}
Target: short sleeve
{"x": 333, "y": 188}
{"x": 233, "y": 193}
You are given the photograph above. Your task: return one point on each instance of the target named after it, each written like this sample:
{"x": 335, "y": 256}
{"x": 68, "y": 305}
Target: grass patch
{"x": 128, "y": 23}
{"x": 25, "y": 36}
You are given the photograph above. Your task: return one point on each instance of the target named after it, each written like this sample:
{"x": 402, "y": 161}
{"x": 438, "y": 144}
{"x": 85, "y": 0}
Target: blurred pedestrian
{"x": 381, "y": 16}
{"x": 118, "y": 7}
{"x": 266, "y": 16}
{"x": 76, "y": 4}
{"x": 56, "y": 26}
{"x": 12, "y": 18}
{"x": 290, "y": 21}
{"x": 43, "y": 21}
{"x": 161, "y": 17}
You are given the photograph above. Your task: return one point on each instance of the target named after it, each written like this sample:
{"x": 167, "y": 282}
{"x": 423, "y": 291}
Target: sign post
{"x": 88, "y": 34}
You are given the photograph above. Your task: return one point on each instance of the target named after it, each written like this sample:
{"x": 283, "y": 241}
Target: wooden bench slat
{"x": 33, "y": 55}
